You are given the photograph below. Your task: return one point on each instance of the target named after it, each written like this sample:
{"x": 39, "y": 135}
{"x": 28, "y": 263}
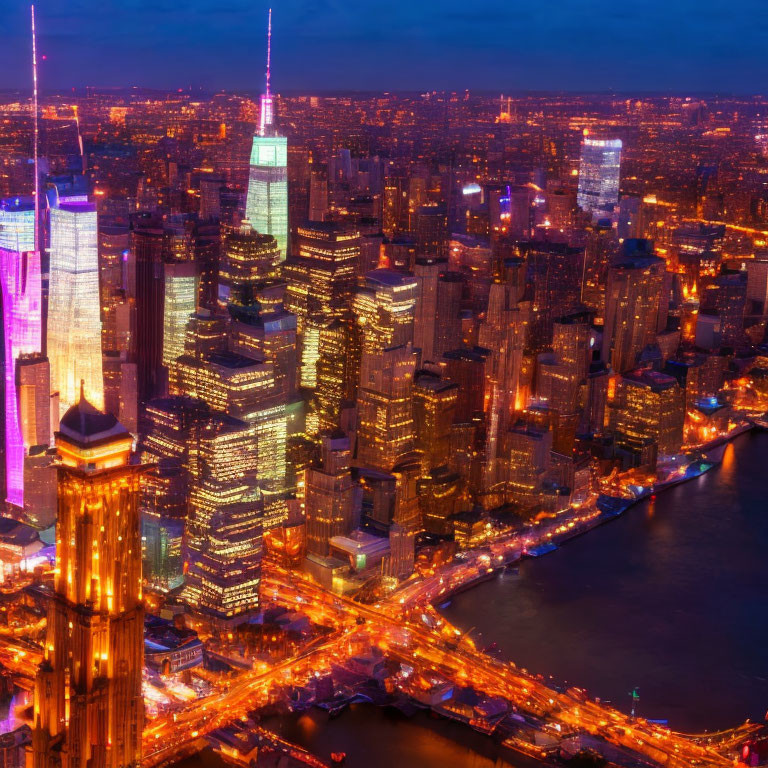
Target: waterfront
{"x": 669, "y": 598}
{"x": 375, "y": 737}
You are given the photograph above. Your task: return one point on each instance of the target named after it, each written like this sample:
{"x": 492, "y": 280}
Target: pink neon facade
{"x": 22, "y": 325}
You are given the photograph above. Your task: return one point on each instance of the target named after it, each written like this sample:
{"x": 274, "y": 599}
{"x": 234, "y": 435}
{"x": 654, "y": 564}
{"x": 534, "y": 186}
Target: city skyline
{"x": 679, "y": 47}
{"x": 283, "y": 379}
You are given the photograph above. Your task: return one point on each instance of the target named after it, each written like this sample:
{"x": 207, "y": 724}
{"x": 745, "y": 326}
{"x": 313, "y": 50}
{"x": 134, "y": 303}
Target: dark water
{"x": 373, "y": 737}
{"x": 672, "y": 598}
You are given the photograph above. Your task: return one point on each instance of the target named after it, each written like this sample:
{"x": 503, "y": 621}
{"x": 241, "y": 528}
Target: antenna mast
{"x": 36, "y": 130}
{"x": 265, "y": 119}
{"x": 269, "y": 50}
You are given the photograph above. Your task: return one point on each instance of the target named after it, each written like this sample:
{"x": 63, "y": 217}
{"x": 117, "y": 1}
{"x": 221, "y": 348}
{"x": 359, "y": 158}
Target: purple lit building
{"x": 22, "y": 328}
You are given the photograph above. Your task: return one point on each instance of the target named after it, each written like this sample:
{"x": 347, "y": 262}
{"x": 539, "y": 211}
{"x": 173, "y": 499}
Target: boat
{"x": 541, "y": 549}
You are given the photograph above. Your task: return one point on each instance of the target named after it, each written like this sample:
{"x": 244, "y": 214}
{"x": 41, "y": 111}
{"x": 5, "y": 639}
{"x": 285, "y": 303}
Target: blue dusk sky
{"x": 322, "y": 45}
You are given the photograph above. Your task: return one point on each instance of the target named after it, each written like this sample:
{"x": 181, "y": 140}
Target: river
{"x": 670, "y": 598}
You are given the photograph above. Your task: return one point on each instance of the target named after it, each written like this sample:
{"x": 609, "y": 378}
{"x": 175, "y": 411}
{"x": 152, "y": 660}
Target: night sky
{"x": 656, "y": 45}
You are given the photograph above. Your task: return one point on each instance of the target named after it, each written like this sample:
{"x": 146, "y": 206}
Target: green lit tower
{"x": 266, "y": 206}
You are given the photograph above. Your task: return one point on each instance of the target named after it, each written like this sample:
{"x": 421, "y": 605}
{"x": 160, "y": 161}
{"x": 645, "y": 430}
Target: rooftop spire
{"x": 269, "y": 50}
{"x": 35, "y": 129}
{"x": 265, "y": 119}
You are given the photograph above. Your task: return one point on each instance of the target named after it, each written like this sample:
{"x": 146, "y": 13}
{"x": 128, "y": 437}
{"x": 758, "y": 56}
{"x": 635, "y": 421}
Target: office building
{"x": 266, "y": 206}
{"x": 321, "y": 281}
{"x": 225, "y": 524}
{"x": 648, "y": 406}
{"x": 599, "y": 175}
{"x": 179, "y": 303}
{"x": 74, "y": 314}
{"x": 20, "y": 293}
{"x": 248, "y": 258}
{"x": 331, "y": 497}
{"x": 632, "y": 307}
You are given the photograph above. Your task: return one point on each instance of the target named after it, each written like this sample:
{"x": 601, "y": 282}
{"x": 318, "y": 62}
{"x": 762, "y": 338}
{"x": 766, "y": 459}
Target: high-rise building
{"x": 632, "y": 306}
{"x": 167, "y": 445}
{"x": 74, "y": 314}
{"x": 244, "y": 388}
{"x": 599, "y": 175}
{"x": 151, "y": 244}
{"x": 554, "y": 272}
{"x": 648, "y": 405}
{"x": 20, "y": 293}
{"x": 267, "y": 202}
{"x": 430, "y": 230}
{"x": 331, "y": 497}
{"x": 89, "y": 708}
{"x": 434, "y": 407}
{"x": 179, "y": 302}
{"x": 725, "y": 297}
{"x": 225, "y": 524}
{"x": 318, "y": 192}
{"x": 247, "y": 259}
{"x": 528, "y": 449}
{"x": 321, "y": 281}
{"x": 385, "y": 310}
{"x": 385, "y": 432}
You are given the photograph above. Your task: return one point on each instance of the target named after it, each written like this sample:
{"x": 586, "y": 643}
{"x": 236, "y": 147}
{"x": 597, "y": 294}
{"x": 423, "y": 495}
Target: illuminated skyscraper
{"x": 648, "y": 406}
{"x": 225, "y": 522}
{"x": 599, "y": 175}
{"x": 89, "y": 708}
{"x": 267, "y": 202}
{"x": 331, "y": 496}
{"x": 248, "y": 258}
{"x": 321, "y": 282}
{"x": 180, "y": 301}
{"x": 632, "y": 299}
{"x": 74, "y": 315}
{"x": 20, "y": 294}
{"x": 244, "y": 388}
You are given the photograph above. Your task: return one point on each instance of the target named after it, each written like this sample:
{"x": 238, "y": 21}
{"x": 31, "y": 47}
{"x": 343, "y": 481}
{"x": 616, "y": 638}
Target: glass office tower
{"x": 22, "y": 327}
{"x": 74, "y": 318}
{"x": 267, "y": 202}
{"x": 599, "y": 175}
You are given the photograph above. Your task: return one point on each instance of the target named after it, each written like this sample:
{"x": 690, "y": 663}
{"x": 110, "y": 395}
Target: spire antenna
{"x": 269, "y": 51}
{"x": 265, "y": 120}
{"x": 35, "y": 130}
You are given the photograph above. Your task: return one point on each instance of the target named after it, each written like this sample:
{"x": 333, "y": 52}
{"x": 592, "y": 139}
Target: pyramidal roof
{"x": 85, "y": 424}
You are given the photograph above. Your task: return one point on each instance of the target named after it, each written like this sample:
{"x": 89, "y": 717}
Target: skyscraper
{"x": 248, "y": 257}
{"x": 74, "y": 315}
{"x": 632, "y": 298}
{"x": 266, "y": 206}
{"x": 180, "y": 301}
{"x": 599, "y": 174}
{"x": 20, "y": 293}
{"x": 225, "y": 522}
{"x": 321, "y": 282}
{"x": 89, "y": 708}
{"x": 330, "y": 495}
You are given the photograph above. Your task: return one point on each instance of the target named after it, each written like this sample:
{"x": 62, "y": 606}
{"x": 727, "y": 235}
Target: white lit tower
{"x": 599, "y": 175}
{"x": 74, "y": 314}
{"x": 266, "y": 206}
